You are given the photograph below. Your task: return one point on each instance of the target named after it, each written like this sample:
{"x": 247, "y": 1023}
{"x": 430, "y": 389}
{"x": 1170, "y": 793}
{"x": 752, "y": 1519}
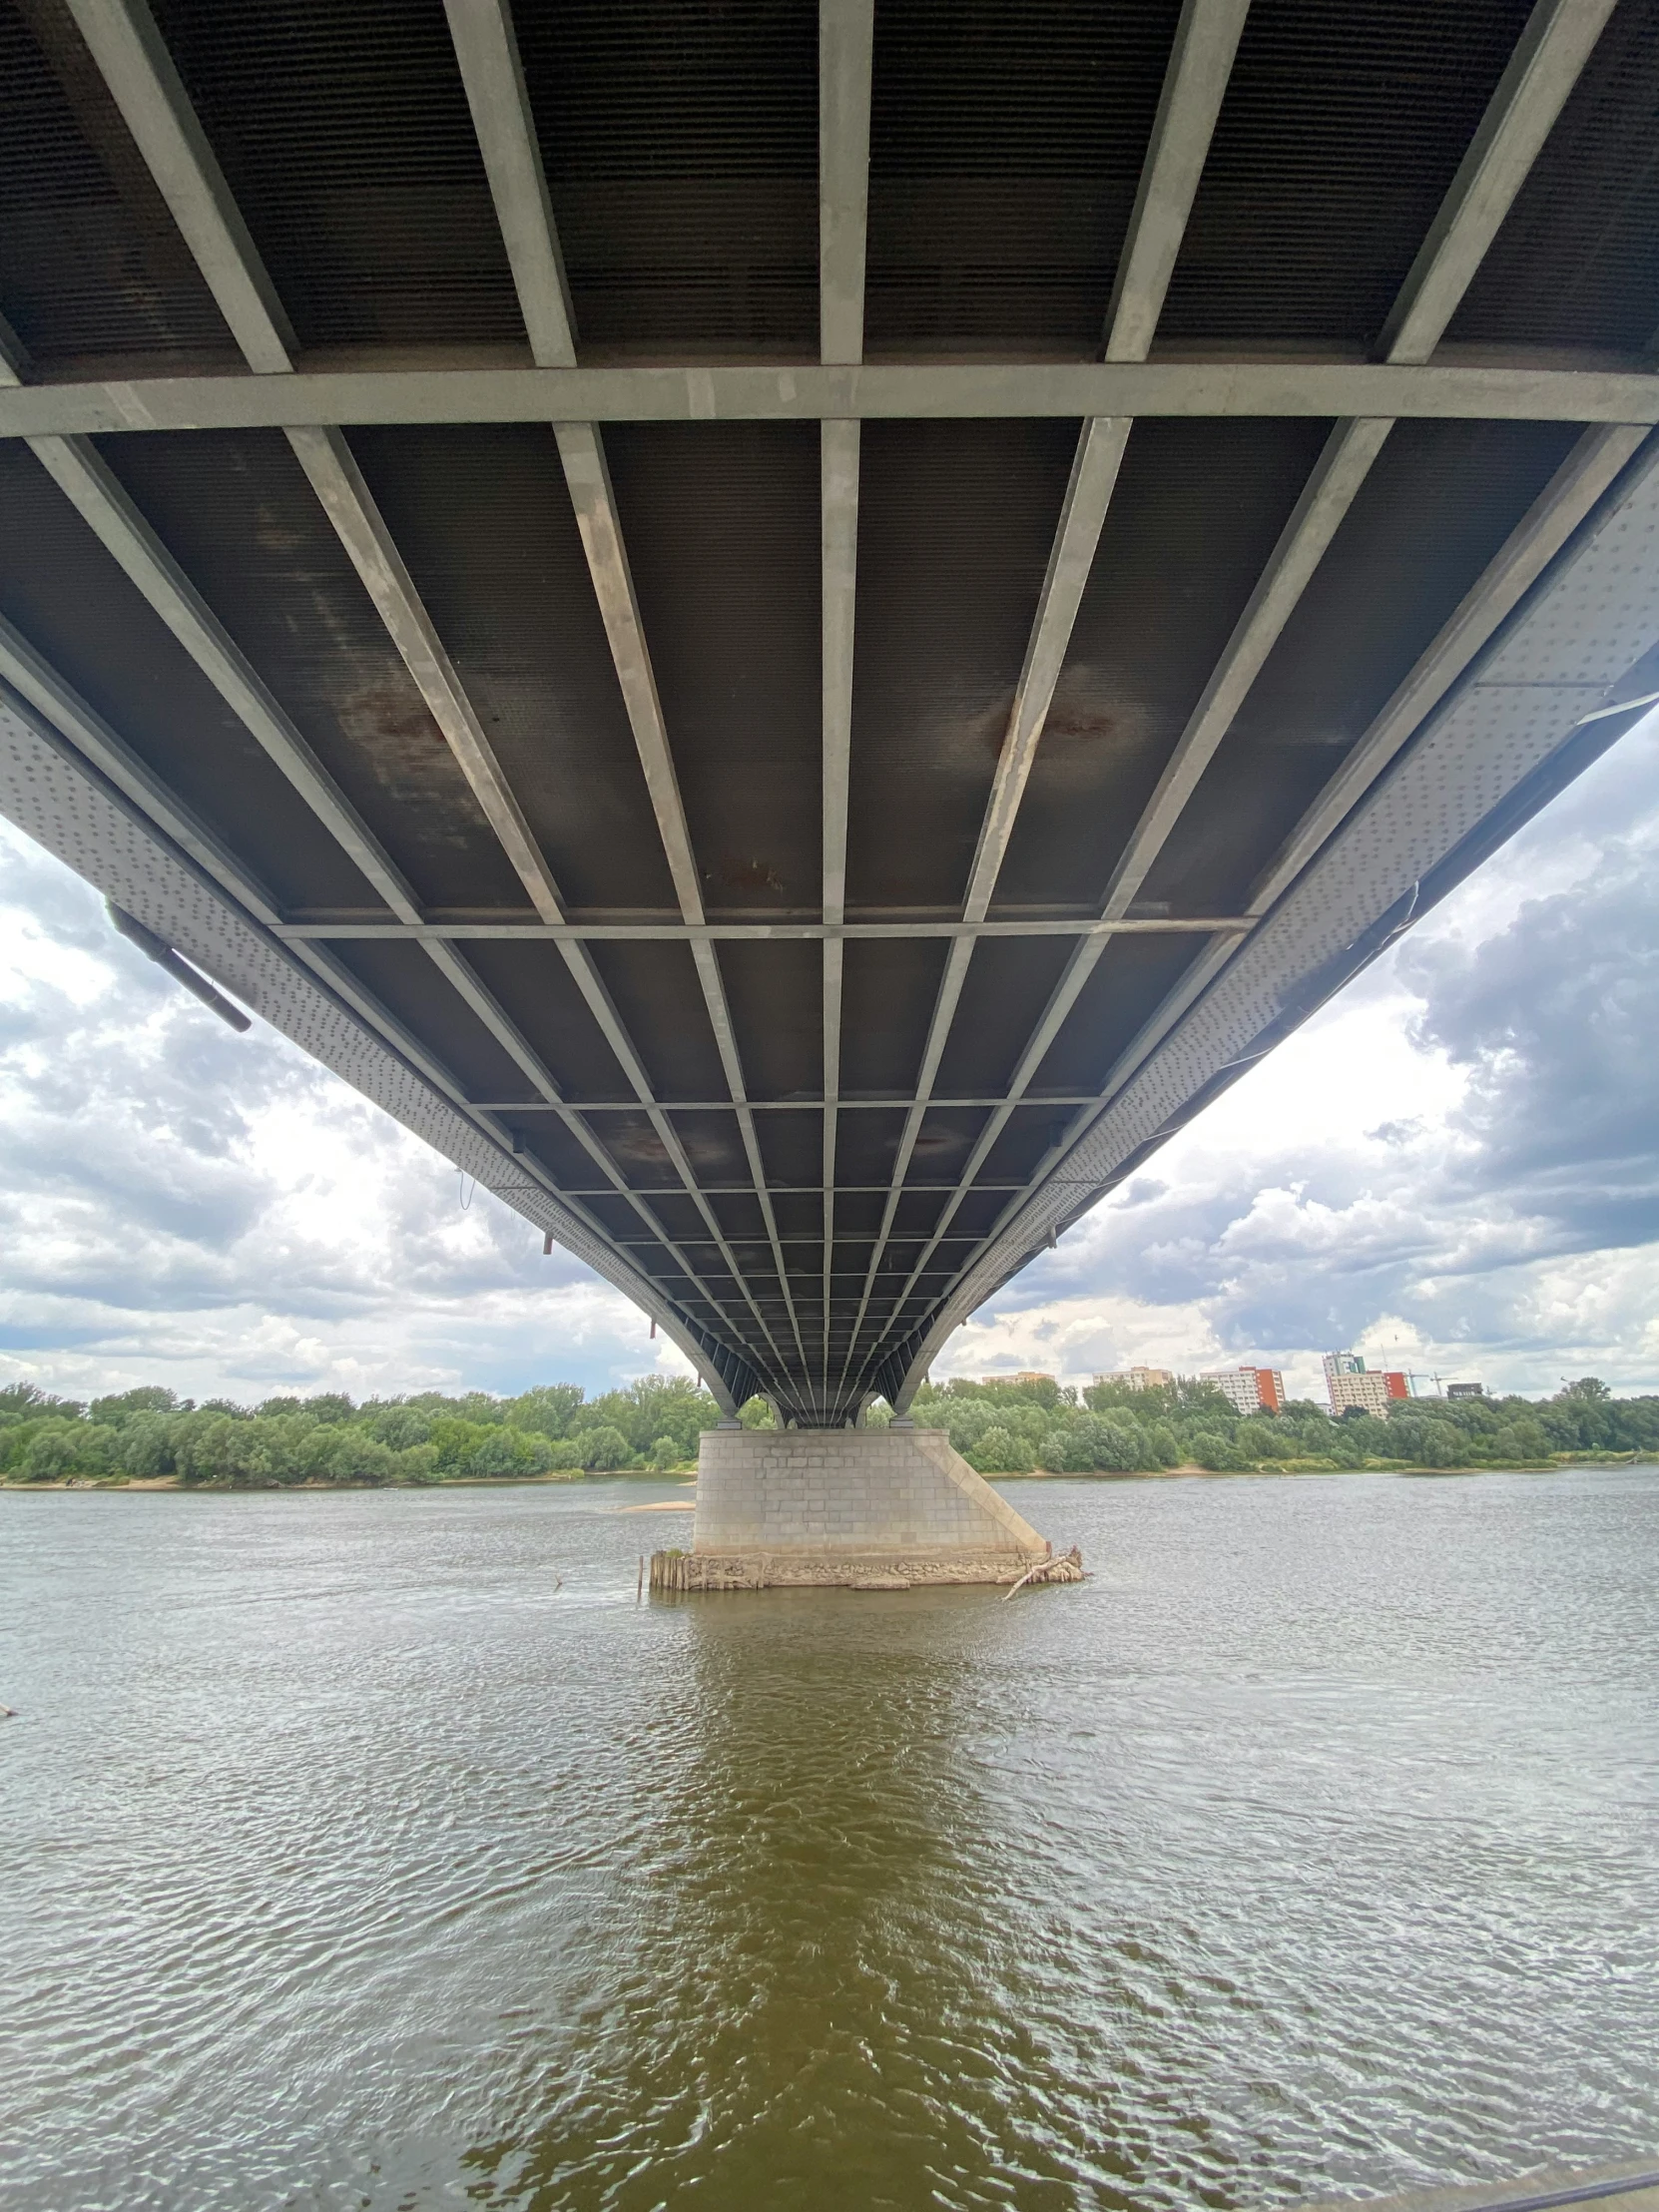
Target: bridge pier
{"x": 865, "y": 1508}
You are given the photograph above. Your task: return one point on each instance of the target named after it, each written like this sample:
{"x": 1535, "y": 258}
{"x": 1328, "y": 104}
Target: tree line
{"x": 429, "y": 1437}
{"x": 653, "y": 1425}
{"x": 1019, "y": 1427}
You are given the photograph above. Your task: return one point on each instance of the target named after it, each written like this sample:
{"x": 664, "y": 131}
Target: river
{"x": 378, "y": 1850}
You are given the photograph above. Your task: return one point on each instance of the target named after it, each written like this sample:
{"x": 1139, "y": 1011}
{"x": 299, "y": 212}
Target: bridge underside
{"x": 794, "y": 632}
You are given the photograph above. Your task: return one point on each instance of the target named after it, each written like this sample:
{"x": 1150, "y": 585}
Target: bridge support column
{"x": 867, "y": 1508}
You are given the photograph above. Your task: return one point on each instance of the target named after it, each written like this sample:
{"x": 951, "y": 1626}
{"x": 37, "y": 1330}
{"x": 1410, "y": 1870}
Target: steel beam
{"x": 142, "y": 78}
{"x": 764, "y": 933}
{"x": 486, "y": 46}
{"x": 14, "y": 357}
{"x": 133, "y": 61}
{"x": 91, "y": 487}
{"x": 1195, "y": 81}
{"x": 1596, "y": 600}
{"x": 839, "y": 503}
{"x": 351, "y": 507}
{"x": 847, "y": 30}
{"x": 1531, "y": 93}
{"x": 54, "y": 708}
{"x": 1470, "y": 386}
{"x": 792, "y": 1190}
{"x": 1552, "y": 51}
{"x": 486, "y": 50}
{"x": 863, "y": 1105}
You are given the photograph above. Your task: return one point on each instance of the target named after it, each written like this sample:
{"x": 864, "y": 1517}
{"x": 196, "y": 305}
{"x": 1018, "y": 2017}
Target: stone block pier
{"x": 872, "y": 1509}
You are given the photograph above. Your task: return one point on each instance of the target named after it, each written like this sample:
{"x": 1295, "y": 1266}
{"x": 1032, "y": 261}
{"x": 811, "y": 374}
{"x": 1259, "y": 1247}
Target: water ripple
{"x": 1308, "y": 1848}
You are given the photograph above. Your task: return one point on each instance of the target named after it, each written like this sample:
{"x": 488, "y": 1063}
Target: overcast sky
{"x": 1455, "y": 1168}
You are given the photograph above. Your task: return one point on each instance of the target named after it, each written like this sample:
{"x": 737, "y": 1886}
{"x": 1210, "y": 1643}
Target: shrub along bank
{"x": 142, "y": 1433}
{"x": 654, "y": 1424}
{"x": 1021, "y": 1427}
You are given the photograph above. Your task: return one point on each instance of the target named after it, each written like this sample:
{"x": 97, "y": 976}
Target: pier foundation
{"x": 870, "y": 1508}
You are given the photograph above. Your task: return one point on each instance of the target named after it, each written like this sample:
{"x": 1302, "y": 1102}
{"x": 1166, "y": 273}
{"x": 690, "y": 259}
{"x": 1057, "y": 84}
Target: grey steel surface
{"x": 794, "y": 630}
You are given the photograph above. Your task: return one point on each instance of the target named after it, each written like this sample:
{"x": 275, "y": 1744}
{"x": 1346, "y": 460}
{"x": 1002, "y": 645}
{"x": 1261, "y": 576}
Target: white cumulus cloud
{"x": 1455, "y": 1166}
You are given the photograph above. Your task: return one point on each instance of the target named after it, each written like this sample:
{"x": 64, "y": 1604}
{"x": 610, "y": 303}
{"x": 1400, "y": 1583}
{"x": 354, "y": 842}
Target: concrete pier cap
{"x": 865, "y": 1508}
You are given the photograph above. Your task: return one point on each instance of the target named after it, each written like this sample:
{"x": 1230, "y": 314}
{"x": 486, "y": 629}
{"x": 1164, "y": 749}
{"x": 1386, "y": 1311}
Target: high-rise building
{"x": 1347, "y": 1383}
{"x": 1250, "y": 1390}
{"x": 1465, "y": 1389}
{"x": 1139, "y": 1379}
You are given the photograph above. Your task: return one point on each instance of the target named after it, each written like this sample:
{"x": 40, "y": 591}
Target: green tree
{"x": 1522, "y": 1440}
{"x": 146, "y": 1446}
{"x": 550, "y": 1409}
{"x": 1102, "y": 1444}
{"x": 1426, "y": 1443}
{"x": 998, "y": 1452}
{"x": 116, "y": 1412}
{"x": 328, "y": 1406}
{"x": 1163, "y": 1445}
{"x": 604, "y": 1448}
{"x": 1208, "y": 1448}
{"x": 455, "y": 1442}
{"x": 400, "y": 1425}
{"x": 60, "y": 1448}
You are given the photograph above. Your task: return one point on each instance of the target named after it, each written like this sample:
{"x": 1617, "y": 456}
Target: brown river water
{"x": 1311, "y": 1848}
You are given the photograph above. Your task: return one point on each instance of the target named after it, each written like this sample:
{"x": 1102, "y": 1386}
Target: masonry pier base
{"x": 863, "y": 1509}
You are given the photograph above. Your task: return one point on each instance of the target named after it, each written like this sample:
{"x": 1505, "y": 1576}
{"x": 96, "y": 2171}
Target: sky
{"x": 1453, "y": 1169}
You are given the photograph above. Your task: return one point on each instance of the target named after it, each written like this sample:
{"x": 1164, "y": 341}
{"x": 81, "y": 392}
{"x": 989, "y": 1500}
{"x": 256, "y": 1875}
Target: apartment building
{"x": 1349, "y": 1383}
{"x": 1249, "y": 1389}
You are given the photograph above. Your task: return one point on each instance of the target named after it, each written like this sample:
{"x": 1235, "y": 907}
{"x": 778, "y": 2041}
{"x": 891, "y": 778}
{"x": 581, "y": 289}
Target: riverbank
{"x": 1561, "y": 1463}
{"x": 565, "y": 1479}
{"x": 562, "y": 1476}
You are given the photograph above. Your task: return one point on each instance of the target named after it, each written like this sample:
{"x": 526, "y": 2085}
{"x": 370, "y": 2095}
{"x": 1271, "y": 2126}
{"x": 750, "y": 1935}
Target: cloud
{"x": 1455, "y": 1165}
{"x": 1554, "y": 1020}
{"x": 183, "y": 1205}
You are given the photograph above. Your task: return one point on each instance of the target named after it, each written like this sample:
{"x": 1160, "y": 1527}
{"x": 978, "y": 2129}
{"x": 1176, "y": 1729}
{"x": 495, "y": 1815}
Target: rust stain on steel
{"x": 731, "y": 874}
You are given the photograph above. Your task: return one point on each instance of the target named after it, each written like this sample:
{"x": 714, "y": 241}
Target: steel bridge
{"x": 793, "y": 631}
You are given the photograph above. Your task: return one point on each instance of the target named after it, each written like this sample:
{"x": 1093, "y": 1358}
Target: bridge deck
{"x": 796, "y": 628}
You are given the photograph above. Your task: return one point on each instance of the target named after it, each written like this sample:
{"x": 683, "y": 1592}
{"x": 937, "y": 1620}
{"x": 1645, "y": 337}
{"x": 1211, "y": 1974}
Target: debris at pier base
{"x": 675, "y": 1572}
{"x": 873, "y": 1509}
